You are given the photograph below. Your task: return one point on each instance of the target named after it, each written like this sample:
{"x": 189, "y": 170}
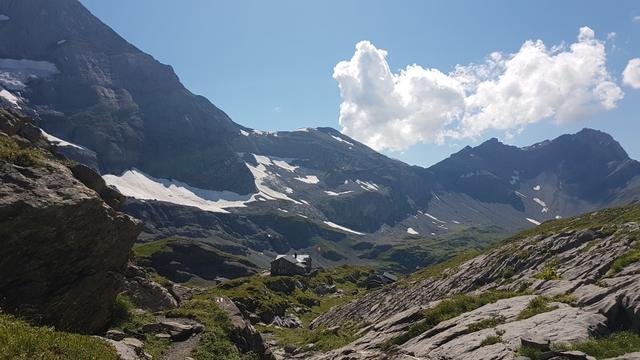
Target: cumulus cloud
{"x": 388, "y": 110}
{"x": 631, "y": 74}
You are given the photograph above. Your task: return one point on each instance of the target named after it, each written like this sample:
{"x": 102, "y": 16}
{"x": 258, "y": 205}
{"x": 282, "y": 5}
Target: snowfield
{"x": 336, "y": 226}
{"x": 310, "y": 179}
{"x": 59, "y": 142}
{"x": 136, "y": 184}
{"x": 411, "y": 231}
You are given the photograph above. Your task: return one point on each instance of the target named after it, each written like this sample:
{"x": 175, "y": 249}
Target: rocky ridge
{"x": 584, "y": 271}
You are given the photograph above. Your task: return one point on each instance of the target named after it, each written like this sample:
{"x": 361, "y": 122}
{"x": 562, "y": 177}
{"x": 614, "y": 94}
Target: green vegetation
{"x": 11, "y": 152}
{"x": 602, "y": 221}
{"x": 215, "y": 342}
{"x": 548, "y": 273}
{"x": 448, "y": 309}
{"x": 616, "y": 344}
{"x": 630, "y": 257}
{"x": 146, "y": 250}
{"x": 490, "y": 340}
{"x": 541, "y": 305}
{"x": 126, "y": 319}
{"x": 322, "y": 338}
{"x": 21, "y": 341}
{"x": 531, "y": 353}
{"x": 266, "y": 296}
{"x": 407, "y": 256}
{"x": 485, "y": 324}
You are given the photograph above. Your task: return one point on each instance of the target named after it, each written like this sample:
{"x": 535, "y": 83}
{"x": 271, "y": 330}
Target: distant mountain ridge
{"x": 193, "y": 172}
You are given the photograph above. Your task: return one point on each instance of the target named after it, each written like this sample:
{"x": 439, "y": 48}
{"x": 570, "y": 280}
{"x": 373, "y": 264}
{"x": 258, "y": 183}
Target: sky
{"x": 416, "y": 80}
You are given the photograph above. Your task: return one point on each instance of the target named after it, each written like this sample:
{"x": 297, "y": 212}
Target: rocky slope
{"x": 64, "y": 249}
{"x": 564, "y": 282}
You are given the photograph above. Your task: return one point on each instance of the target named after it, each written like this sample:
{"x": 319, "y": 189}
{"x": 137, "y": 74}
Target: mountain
{"x": 190, "y": 171}
{"x": 106, "y": 95}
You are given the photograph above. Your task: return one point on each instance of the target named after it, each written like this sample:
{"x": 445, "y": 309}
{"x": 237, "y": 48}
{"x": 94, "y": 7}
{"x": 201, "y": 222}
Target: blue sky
{"x": 269, "y": 64}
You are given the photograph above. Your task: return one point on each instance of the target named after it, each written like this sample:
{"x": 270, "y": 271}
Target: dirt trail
{"x": 181, "y": 350}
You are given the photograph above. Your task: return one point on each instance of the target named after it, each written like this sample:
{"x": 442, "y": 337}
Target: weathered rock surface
{"x": 245, "y": 336}
{"x": 145, "y": 293}
{"x": 575, "y": 259}
{"x": 64, "y": 250}
{"x": 287, "y": 321}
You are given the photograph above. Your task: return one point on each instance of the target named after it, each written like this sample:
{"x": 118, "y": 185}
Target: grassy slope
{"x": 21, "y": 341}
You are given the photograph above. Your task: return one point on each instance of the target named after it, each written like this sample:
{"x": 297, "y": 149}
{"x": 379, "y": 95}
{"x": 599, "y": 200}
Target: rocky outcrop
{"x": 244, "y": 335}
{"x": 64, "y": 250}
{"x": 575, "y": 266}
{"x": 145, "y": 293}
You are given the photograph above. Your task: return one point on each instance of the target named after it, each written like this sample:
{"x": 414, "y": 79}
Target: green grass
{"x": 533, "y": 354}
{"x": 616, "y": 344}
{"x": 11, "y": 152}
{"x": 21, "y": 341}
{"x": 603, "y": 221}
{"x": 323, "y": 339}
{"x": 215, "y": 342}
{"x": 541, "y": 305}
{"x": 630, "y": 257}
{"x": 255, "y": 294}
{"x": 146, "y": 250}
{"x": 125, "y": 319}
{"x": 448, "y": 309}
{"x": 548, "y": 273}
{"x": 485, "y": 324}
{"x": 490, "y": 340}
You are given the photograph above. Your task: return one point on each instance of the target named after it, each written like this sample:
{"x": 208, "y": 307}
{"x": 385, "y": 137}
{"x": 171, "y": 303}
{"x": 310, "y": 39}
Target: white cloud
{"x": 636, "y": 18}
{"x": 612, "y": 35}
{"x": 507, "y": 92}
{"x": 631, "y": 74}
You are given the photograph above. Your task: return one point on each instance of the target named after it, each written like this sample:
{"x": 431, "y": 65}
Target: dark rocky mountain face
{"x": 191, "y": 171}
{"x": 112, "y": 98}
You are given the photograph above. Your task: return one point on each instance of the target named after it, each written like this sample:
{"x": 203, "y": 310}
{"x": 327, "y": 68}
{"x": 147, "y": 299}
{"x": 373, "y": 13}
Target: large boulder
{"x": 64, "y": 250}
{"x": 145, "y": 293}
{"x": 244, "y": 335}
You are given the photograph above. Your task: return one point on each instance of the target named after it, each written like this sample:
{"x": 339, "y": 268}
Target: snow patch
{"x": 337, "y": 138}
{"x": 336, "y": 226}
{"x": 558, "y": 217}
{"x": 310, "y": 179}
{"x": 541, "y": 203}
{"x": 521, "y": 194}
{"x": 60, "y": 42}
{"x": 244, "y": 133}
{"x": 368, "y": 186}
{"x": 284, "y": 165}
{"x": 9, "y": 97}
{"x": 59, "y": 142}
{"x": 4, "y": 17}
{"x": 435, "y": 218}
{"x": 536, "y": 188}
{"x": 455, "y": 221}
{"x": 411, "y": 231}
{"x": 331, "y": 193}
{"x": 264, "y": 178}
{"x": 283, "y": 210}
{"x": 535, "y": 222}
{"x": 136, "y": 184}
